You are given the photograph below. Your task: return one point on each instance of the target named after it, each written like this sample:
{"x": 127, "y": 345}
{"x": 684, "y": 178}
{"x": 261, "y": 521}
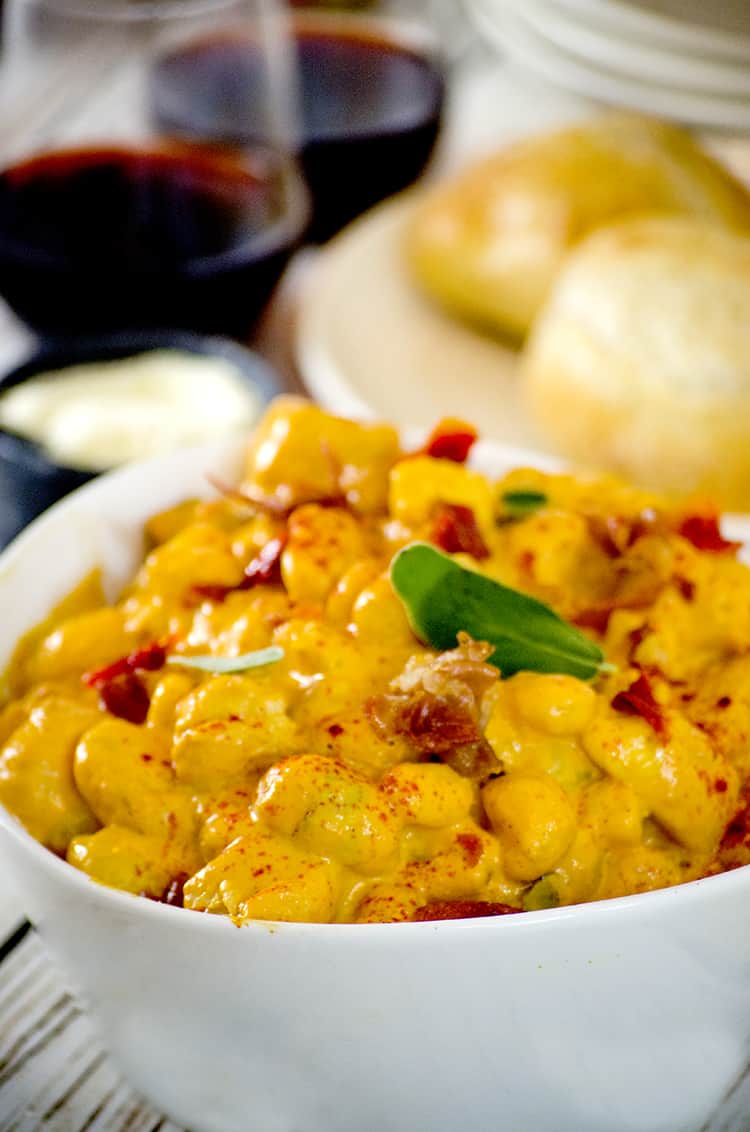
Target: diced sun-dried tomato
{"x": 174, "y": 894}
{"x": 462, "y": 910}
{"x": 455, "y": 530}
{"x": 126, "y": 697}
{"x": 451, "y": 440}
{"x": 594, "y": 618}
{"x": 150, "y": 658}
{"x": 264, "y": 569}
{"x": 704, "y": 533}
{"x": 638, "y": 699}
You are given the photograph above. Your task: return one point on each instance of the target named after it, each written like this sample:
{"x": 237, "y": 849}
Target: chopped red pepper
{"x": 126, "y": 697}
{"x": 451, "y": 440}
{"x": 704, "y": 533}
{"x": 264, "y": 569}
{"x": 638, "y": 699}
{"x": 435, "y": 723}
{"x": 594, "y": 618}
{"x": 462, "y": 910}
{"x": 174, "y": 894}
{"x": 150, "y": 658}
{"x": 456, "y": 531}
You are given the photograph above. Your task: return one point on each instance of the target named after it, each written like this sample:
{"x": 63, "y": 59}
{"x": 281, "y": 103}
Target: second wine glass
{"x": 371, "y": 92}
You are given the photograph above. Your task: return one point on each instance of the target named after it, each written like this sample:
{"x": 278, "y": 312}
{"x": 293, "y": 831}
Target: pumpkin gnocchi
{"x": 353, "y": 773}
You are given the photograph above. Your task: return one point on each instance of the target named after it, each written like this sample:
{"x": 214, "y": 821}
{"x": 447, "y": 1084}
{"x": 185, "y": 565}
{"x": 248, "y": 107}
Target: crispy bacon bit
{"x": 436, "y": 703}
{"x": 335, "y": 730}
{"x": 174, "y": 894}
{"x": 150, "y": 658}
{"x": 439, "y": 727}
{"x": 451, "y": 440}
{"x": 126, "y": 697}
{"x": 638, "y": 699}
{"x": 264, "y": 569}
{"x": 462, "y": 910}
{"x": 720, "y": 785}
{"x": 434, "y": 724}
{"x": 704, "y": 533}
{"x": 456, "y": 531}
{"x": 477, "y": 761}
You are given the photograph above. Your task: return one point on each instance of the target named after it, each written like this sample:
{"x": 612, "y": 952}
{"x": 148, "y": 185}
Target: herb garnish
{"x": 223, "y": 664}
{"x": 521, "y": 504}
{"x": 443, "y": 598}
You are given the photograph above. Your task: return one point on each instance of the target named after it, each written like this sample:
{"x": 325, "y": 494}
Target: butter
{"x": 100, "y": 414}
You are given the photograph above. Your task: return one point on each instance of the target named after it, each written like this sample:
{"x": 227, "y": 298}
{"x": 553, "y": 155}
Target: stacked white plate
{"x": 683, "y": 59}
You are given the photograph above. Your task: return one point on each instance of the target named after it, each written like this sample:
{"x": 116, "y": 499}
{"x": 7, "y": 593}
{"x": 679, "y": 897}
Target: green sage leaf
{"x": 521, "y": 504}
{"x": 443, "y": 598}
{"x": 224, "y": 664}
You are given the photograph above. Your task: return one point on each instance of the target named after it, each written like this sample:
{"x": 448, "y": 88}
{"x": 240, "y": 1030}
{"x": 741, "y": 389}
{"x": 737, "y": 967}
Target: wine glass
{"x": 109, "y": 220}
{"x": 371, "y": 82}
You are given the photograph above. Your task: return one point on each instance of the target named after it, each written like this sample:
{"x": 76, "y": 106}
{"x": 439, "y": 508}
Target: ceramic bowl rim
{"x": 645, "y": 904}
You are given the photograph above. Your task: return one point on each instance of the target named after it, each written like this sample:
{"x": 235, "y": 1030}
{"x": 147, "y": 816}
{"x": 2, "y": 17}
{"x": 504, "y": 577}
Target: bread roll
{"x": 489, "y": 244}
{"x": 640, "y": 360}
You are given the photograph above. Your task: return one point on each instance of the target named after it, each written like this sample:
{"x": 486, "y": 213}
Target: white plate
{"x": 698, "y": 26}
{"x": 633, "y": 58}
{"x": 502, "y": 28}
{"x": 368, "y": 344}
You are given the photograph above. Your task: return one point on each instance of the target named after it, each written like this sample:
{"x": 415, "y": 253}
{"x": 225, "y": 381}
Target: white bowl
{"x": 720, "y": 30}
{"x": 630, "y": 1015}
{"x": 636, "y": 59}
{"x": 505, "y": 29}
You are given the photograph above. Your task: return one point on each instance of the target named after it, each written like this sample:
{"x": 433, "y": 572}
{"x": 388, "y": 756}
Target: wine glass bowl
{"x": 371, "y": 93}
{"x": 108, "y": 224}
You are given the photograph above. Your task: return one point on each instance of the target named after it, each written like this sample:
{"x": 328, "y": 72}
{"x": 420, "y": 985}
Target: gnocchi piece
{"x": 681, "y": 780}
{"x": 613, "y": 812}
{"x": 322, "y": 544}
{"x": 328, "y": 808}
{"x": 456, "y": 863}
{"x": 429, "y": 794}
{"x": 229, "y": 727}
{"x": 534, "y": 821}
{"x": 126, "y": 775}
{"x": 36, "y": 773}
{"x": 559, "y": 705}
{"x": 81, "y": 644}
{"x": 299, "y": 454}
{"x": 419, "y": 484}
{"x": 125, "y": 859}
{"x": 264, "y": 877}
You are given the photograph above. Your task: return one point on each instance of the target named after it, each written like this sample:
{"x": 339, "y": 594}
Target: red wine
{"x": 119, "y": 238}
{"x": 371, "y": 111}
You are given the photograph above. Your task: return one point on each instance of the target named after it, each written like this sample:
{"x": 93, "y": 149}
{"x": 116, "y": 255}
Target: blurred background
{"x": 235, "y": 169}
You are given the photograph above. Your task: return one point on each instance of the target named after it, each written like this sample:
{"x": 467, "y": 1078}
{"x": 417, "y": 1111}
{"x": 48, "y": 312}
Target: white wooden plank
{"x": 54, "y": 1076}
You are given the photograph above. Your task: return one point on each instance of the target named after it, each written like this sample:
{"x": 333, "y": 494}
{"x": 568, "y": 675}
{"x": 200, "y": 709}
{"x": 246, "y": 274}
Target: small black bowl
{"x": 29, "y": 480}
